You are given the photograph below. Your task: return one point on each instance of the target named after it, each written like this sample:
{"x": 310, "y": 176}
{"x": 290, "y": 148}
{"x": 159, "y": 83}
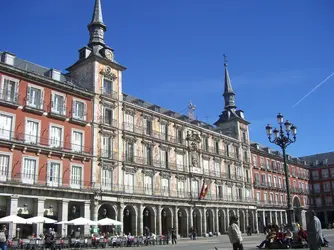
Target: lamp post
{"x": 283, "y": 138}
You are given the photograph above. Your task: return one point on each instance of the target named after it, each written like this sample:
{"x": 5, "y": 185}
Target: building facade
{"x": 45, "y": 142}
{"x": 322, "y": 185}
{"x": 270, "y": 186}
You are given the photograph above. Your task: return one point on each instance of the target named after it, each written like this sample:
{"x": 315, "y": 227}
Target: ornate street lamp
{"x": 126, "y": 212}
{"x": 164, "y": 214}
{"x": 180, "y": 214}
{"x": 25, "y": 207}
{"x": 283, "y": 138}
{"x": 146, "y": 213}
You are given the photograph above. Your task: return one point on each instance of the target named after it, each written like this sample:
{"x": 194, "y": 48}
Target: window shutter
{"x": 85, "y": 111}
{"x": 73, "y": 109}
{"x": 28, "y": 98}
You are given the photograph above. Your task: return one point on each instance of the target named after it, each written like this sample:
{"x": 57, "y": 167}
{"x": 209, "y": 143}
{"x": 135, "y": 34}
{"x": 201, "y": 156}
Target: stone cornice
{"x": 130, "y": 170}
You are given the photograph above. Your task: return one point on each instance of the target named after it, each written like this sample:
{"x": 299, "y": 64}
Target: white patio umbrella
{"x": 40, "y": 219}
{"x": 62, "y": 222}
{"x": 81, "y": 222}
{"x": 109, "y": 222}
{"x": 13, "y": 219}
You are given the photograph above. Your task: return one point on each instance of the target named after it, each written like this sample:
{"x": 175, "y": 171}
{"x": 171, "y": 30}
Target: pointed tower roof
{"x": 97, "y": 27}
{"x": 97, "y": 14}
{"x": 228, "y": 90}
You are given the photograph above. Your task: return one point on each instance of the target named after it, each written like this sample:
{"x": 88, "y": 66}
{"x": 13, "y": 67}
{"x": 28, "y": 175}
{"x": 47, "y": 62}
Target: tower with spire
{"x": 231, "y": 117}
{"x": 98, "y": 71}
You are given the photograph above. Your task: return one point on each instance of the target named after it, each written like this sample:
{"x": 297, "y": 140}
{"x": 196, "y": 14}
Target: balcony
{"x": 107, "y": 122}
{"x": 47, "y": 145}
{"x": 269, "y": 185}
{"x": 214, "y": 150}
{"x": 34, "y": 105}
{"x": 109, "y": 95}
{"x": 9, "y": 98}
{"x": 57, "y": 111}
{"x": 79, "y": 116}
{"x": 108, "y": 155}
{"x": 271, "y": 204}
{"x": 45, "y": 182}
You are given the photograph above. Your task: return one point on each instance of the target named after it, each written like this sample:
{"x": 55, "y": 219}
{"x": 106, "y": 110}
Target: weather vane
{"x": 225, "y": 60}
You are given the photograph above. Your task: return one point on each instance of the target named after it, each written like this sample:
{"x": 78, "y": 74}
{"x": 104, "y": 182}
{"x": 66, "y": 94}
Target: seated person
{"x": 302, "y": 235}
{"x": 269, "y": 238}
{"x": 288, "y": 237}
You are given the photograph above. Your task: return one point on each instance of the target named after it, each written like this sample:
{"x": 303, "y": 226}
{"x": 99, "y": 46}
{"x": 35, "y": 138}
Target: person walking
{"x": 174, "y": 236}
{"x": 3, "y": 238}
{"x": 314, "y": 231}
{"x": 234, "y": 234}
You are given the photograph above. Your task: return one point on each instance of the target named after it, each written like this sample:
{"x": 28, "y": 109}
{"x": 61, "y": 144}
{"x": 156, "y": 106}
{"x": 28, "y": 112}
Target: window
{"x": 108, "y": 116}
{"x": 147, "y": 126}
{"x": 148, "y": 185}
{"x": 77, "y": 141}
{"x": 129, "y": 183}
{"x": 147, "y": 154}
{"x": 255, "y": 160}
{"x": 53, "y": 175}
{"x": 229, "y": 193}
{"x": 107, "y": 87}
{"x": 79, "y": 110}
{"x": 264, "y": 179}
{"x": 165, "y": 187}
{"x": 265, "y": 198}
{"x": 244, "y": 137}
{"x": 180, "y": 189}
{"x": 32, "y": 131}
{"x": 6, "y": 125}
{"x": 294, "y": 184}
{"x": 163, "y": 158}
{"x": 277, "y": 199}
{"x": 324, "y": 173}
{"x": 9, "y": 90}
{"x": 246, "y": 156}
{"x": 275, "y": 181}
{"x": 236, "y": 150}
{"x": 217, "y": 147}
{"x": 179, "y": 135}
{"x": 262, "y": 162}
{"x": 318, "y": 201}
{"x": 329, "y": 200}
{"x": 106, "y": 178}
{"x": 278, "y": 165}
{"x": 35, "y": 97}
{"x": 129, "y": 151}
{"x": 217, "y": 168}
{"x": 4, "y": 167}
{"x": 76, "y": 177}
{"x": 282, "y": 199}
{"x": 29, "y": 170}
{"x": 164, "y": 131}
{"x": 206, "y": 166}
{"x": 229, "y": 172}
{"x": 327, "y": 186}
{"x": 179, "y": 162}
{"x": 220, "y": 193}
{"x": 238, "y": 172}
{"x": 58, "y": 104}
{"x": 257, "y": 178}
{"x": 269, "y": 180}
{"x": 332, "y": 172}
{"x": 280, "y": 182}
{"x": 247, "y": 175}
{"x": 56, "y": 136}
{"x": 273, "y": 165}
{"x": 228, "y": 150}
{"x": 106, "y": 147}
{"x": 316, "y": 188}
{"x": 128, "y": 122}
{"x": 315, "y": 174}
{"x": 258, "y": 196}
{"x": 195, "y": 189}
{"x": 268, "y": 163}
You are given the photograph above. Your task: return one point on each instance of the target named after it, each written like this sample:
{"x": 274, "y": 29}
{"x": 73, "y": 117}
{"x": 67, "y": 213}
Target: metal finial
{"x": 225, "y": 60}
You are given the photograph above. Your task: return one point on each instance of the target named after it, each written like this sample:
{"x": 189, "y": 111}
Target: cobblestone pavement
{"x": 222, "y": 242}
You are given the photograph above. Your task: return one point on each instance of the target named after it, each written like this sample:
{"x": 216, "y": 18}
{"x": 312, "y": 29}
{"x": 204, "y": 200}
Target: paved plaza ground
{"x": 222, "y": 242}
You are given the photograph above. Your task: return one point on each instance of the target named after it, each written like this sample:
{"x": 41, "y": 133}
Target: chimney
{"x": 8, "y": 58}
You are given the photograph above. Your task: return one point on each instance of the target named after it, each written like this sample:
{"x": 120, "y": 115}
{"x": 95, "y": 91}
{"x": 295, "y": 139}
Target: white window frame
{"x": 206, "y": 167}
{"x": 112, "y": 85}
{"x": 9, "y": 168}
{"x": 129, "y": 124}
{"x": 181, "y": 193}
{"x": 132, "y": 189}
{"x": 83, "y": 139}
{"x": 62, "y": 134}
{"x": 75, "y": 186}
{"x": 255, "y": 158}
{"x": 39, "y": 128}
{"x": 74, "y": 100}
{"x": 217, "y": 167}
{"x": 106, "y": 187}
{"x": 163, "y": 191}
{"x": 148, "y": 191}
{"x": 17, "y": 84}
{"x": 30, "y": 85}
{"x": 111, "y": 146}
{"x": 35, "y": 179}
{"x": 179, "y": 167}
{"x": 12, "y": 129}
{"x": 60, "y": 176}
{"x": 53, "y": 93}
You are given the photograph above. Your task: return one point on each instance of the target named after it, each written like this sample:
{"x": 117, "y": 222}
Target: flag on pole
{"x": 204, "y": 190}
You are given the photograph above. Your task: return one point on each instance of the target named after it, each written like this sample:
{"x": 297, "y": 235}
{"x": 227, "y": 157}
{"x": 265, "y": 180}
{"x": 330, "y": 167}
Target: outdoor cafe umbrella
{"x": 109, "y": 222}
{"x": 13, "y": 219}
{"x": 40, "y": 219}
{"x": 81, "y": 222}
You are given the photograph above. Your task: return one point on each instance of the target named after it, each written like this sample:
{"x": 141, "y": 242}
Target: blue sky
{"x": 277, "y": 51}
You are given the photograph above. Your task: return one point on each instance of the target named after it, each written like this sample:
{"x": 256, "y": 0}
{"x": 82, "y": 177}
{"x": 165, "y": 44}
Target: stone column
{"x": 176, "y": 221}
{"x": 140, "y": 219}
{"x": 216, "y": 219}
{"x": 264, "y": 222}
{"x": 271, "y": 216}
{"x": 95, "y": 205}
{"x": 159, "y": 224}
{"x": 286, "y": 217}
{"x": 247, "y": 220}
{"x": 275, "y": 217}
{"x": 13, "y": 211}
{"x": 120, "y": 214}
{"x": 227, "y": 220}
{"x": 204, "y": 220}
{"x": 281, "y": 216}
{"x": 40, "y": 212}
{"x": 64, "y": 217}
{"x": 256, "y": 216}
{"x": 87, "y": 216}
{"x": 190, "y": 220}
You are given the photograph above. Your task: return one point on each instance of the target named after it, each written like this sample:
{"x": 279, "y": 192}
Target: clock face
{"x": 109, "y": 54}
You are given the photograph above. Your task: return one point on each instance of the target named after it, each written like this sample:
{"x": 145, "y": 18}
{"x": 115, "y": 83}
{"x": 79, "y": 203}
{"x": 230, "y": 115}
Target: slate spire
{"x": 228, "y": 90}
{"x": 97, "y": 27}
